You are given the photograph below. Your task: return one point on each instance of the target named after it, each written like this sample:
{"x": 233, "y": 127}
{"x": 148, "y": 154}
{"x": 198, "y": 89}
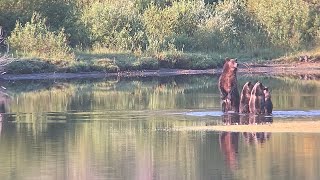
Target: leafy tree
{"x": 115, "y": 25}
{"x": 164, "y": 25}
{"x": 36, "y": 40}
{"x": 290, "y": 24}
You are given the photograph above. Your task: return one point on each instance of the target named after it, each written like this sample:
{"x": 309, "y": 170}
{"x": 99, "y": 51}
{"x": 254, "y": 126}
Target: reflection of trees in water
{"x": 98, "y": 150}
{"x": 131, "y": 94}
{"x": 187, "y": 91}
{"x": 85, "y": 148}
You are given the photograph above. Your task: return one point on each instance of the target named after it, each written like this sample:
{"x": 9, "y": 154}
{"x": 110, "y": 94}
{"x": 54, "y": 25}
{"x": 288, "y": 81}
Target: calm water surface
{"x": 124, "y": 128}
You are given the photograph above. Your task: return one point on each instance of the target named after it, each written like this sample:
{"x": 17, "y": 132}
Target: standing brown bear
{"x": 245, "y": 97}
{"x": 257, "y": 99}
{"x": 268, "y": 106}
{"x": 228, "y": 86}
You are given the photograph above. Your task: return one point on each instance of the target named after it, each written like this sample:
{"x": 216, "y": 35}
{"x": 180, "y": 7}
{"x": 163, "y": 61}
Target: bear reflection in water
{"x": 245, "y": 119}
{"x": 229, "y": 141}
{"x": 4, "y": 101}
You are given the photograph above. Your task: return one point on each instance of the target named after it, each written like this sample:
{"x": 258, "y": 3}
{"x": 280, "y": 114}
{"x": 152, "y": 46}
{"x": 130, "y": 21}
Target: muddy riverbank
{"x": 250, "y": 68}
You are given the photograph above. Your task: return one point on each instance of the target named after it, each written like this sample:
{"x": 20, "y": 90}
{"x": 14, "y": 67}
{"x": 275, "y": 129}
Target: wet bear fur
{"x": 228, "y": 86}
{"x": 257, "y": 99}
{"x": 245, "y": 97}
{"x": 268, "y": 106}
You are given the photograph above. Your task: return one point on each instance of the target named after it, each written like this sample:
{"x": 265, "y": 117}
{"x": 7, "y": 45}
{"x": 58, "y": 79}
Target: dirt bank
{"x": 250, "y": 68}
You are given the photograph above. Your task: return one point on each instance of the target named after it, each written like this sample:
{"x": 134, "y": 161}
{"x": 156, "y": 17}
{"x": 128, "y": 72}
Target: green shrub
{"x": 34, "y": 39}
{"x": 30, "y": 66}
{"x": 290, "y": 24}
{"x": 115, "y": 25}
{"x": 106, "y": 65}
{"x": 179, "y": 60}
{"x": 229, "y": 27}
{"x": 164, "y": 25}
{"x": 63, "y": 14}
{"x": 148, "y": 63}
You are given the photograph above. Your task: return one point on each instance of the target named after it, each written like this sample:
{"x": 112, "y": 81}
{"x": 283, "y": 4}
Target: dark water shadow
{"x": 4, "y": 103}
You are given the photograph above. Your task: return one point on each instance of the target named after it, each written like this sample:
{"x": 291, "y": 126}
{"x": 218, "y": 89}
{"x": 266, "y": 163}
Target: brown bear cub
{"x": 245, "y": 97}
{"x": 257, "y": 99}
{"x": 228, "y": 86}
{"x": 268, "y": 106}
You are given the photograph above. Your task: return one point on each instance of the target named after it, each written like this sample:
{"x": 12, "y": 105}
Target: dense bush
{"x": 188, "y": 61}
{"x": 172, "y": 25}
{"x": 64, "y": 14}
{"x": 115, "y": 25}
{"x": 30, "y": 66}
{"x": 229, "y": 27}
{"x": 290, "y": 24}
{"x": 34, "y": 39}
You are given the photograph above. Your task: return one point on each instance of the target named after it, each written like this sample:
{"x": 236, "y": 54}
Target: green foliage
{"x": 142, "y": 5}
{"x": 290, "y": 24}
{"x": 13, "y": 10}
{"x": 63, "y": 14}
{"x": 163, "y": 25}
{"x": 180, "y": 60}
{"x": 30, "y": 66}
{"x": 34, "y": 39}
{"x": 181, "y": 29}
{"x": 106, "y": 65}
{"x": 229, "y": 27}
{"x": 115, "y": 25}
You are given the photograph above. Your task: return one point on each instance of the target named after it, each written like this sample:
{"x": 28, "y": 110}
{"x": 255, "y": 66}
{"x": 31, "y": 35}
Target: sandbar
{"x": 275, "y": 127}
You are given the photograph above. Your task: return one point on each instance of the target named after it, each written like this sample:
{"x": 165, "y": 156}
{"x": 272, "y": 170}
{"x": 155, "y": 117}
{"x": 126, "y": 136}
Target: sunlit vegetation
{"x": 111, "y": 36}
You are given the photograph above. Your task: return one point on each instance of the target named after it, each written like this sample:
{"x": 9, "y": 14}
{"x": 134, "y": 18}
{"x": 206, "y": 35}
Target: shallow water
{"x": 123, "y": 128}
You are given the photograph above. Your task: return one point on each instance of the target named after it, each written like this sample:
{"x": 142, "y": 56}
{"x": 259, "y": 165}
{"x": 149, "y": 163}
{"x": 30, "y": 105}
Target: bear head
{"x": 230, "y": 65}
{"x": 267, "y": 93}
{"x": 258, "y": 89}
{"x": 246, "y": 90}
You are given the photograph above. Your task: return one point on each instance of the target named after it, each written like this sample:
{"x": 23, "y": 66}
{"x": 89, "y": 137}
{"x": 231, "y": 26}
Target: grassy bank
{"x": 110, "y": 62}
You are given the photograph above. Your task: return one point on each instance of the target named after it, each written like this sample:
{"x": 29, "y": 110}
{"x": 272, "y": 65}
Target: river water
{"x": 124, "y": 128}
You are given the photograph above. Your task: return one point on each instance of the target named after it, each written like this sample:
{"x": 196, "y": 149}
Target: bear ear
{"x": 249, "y": 83}
{"x": 227, "y": 59}
{"x": 261, "y": 85}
